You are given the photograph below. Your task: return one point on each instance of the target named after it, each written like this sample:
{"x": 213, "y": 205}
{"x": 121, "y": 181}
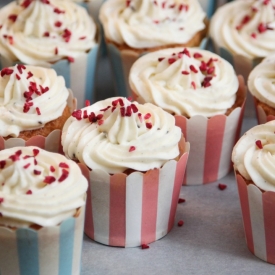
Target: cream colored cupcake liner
{"x": 79, "y": 75}
{"x": 52, "y": 250}
{"x": 212, "y": 140}
{"x": 258, "y": 219}
{"x": 51, "y": 143}
{"x": 136, "y": 209}
{"x": 121, "y": 63}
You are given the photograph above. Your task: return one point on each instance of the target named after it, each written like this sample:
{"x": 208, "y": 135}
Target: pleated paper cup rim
{"x": 258, "y": 219}
{"x": 54, "y": 250}
{"x": 51, "y": 143}
{"x": 131, "y": 210}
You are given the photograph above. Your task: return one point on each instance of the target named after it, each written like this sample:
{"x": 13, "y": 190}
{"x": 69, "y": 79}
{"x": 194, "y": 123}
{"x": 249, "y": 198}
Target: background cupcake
{"x": 133, "y": 28}
{"x": 253, "y": 158}
{"x": 34, "y": 104}
{"x": 134, "y": 159}
{"x": 243, "y": 33}
{"x": 202, "y": 90}
{"x": 57, "y": 34}
{"x": 261, "y": 86}
{"x": 42, "y": 212}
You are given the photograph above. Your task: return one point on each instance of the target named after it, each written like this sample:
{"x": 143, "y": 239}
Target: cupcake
{"x": 133, "y": 28}
{"x": 42, "y": 201}
{"x": 253, "y": 158}
{"x": 203, "y": 93}
{"x": 134, "y": 158}
{"x": 35, "y": 104}
{"x": 243, "y": 32}
{"x": 56, "y": 34}
{"x": 261, "y": 86}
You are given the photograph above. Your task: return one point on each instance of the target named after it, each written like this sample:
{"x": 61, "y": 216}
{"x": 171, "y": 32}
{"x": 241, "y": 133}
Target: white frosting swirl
{"x": 148, "y": 23}
{"x": 29, "y": 98}
{"x": 245, "y": 27}
{"x": 254, "y": 163}
{"x": 185, "y": 81}
{"x": 261, "y": 81}
{"x": 38, "y": 187}
{"x": 142, "y": 139}
{"x": 39, "y": 33}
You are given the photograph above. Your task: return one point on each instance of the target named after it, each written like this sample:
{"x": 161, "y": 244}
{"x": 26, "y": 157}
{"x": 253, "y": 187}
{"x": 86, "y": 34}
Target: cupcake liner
{"x": 131, "y": 210}
{"x": 121, "y": 63}
{"x": 51, "y": 143}
{"x": 79, "y": 75}
{"x": 208, "y": 6}
{"x": 258, "y": 219}
{"x": 262, "y": 117}
{"x": 54, "y": 250}
{"x": 212, "y": 140}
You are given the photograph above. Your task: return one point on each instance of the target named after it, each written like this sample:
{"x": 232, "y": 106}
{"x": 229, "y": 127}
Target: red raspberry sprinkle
{"x": 64, "y": 175}
{"x": 70, "y": 59}
{"x": 56, "y": 51}
{"x": 149, "y": 125}
{"x": 211, "y": 70}
{"x": 121, "y": 103}
{"x": 122, "y": 111}
{"x": 222, "y": 186}
{"x": 180, "y": 223}
{"x": 85, "y": 114}
{"x": 35, "y": 161}
{"x": 29, "y": 75}
{"x": 2, "y": 164}
{"x": 185, "y": 72}
{"x": 193, "y": 85}
{"x": 128, "y": 111}
{"x": 6, "y": 71}
{"x": 67, "y": 35}
{"x": 52, "y": 169}
{"x": 262, "y": 28}
{"x": 20, "y": 68}
{"x": 63, "y": 165}
{"x": 181, "y": 200}
{"x": 12, "y": 17}
{"x": 147, "y": 116}
{"x": 100, "y": 122}
{"x": 58, "y": 24}
{"x": 26, "y": 3}
{"x": 171, "y": 60}
{"x": 29, "y": 192}
{"x": 185, "y": 51}
{"x": 145, "y": 246}
{"x": 128, "y": 2}
{"x": 193, "y": 69}
{"x": 197, "y": 55}
{"x": 160, "y": 59}
{"x": 17, "y": 77}
{"x": 45, "y": 2}
{"x": 259, "y": 144}
{"x": 58, "y": 11}
{"x": 105, "y": 109}
{"x": 49, "y": 179}
{"x": 253, "y": 35}
{"x": 77, "y": 114}
{"x": 26, "y": 166}
{"x": 87, "y": 103}
{"x": 82, "y": 37}
{"x": 134, "y": 108}
{"x": 36, "y": 172}
{"x": 46, "y": 34}
{"x": 1, "y": 200}
{"x": 132, "y": 148}
{"x": 38, "y": 111}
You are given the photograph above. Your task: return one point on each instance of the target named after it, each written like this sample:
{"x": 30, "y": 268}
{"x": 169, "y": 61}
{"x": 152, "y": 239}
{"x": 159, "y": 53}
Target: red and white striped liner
{"x": 212, "y": 140}
{"x": 262, "y": 117}
{"x": 258, "y": 219}
{"x": 132, "y": 210}
{"x": 51, "y": 143}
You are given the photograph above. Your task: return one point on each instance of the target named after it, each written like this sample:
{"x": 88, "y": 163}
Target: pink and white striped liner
{"x": 51, "y": 143}
{"x": 262, "y": 117}
{"x": 258, "y": 219}
{"x": 212, "y": 140}
{"x": 132, "y": 210}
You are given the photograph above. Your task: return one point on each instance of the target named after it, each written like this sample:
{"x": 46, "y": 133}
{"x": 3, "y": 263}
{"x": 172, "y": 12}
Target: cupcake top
{"x": 148, "y": 23}
{"x": 29, "y": 98}
{"x": 254, "y": 156}
{"x": 39, "y": 32}
{"x": 185, "y": 82}
{"x": 245, "y": 27}
{"x": 38, "y": 187}
{"x": 116, "y": 134}
{"x": 261, "y": 81}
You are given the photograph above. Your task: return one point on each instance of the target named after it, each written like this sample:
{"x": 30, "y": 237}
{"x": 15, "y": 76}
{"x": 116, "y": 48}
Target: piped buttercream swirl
{"x": 115, "y": 134}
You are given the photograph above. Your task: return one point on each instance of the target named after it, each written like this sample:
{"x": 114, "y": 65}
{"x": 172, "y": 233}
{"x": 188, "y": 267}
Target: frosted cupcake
{"x": 34, "y": 104}
{"x": 134, "y": 158}
{"x": 261, "y": 86}
{"x": 243, "y": 32}
{"x": 42, "y": 200}
{"x": 56, "y": 34}
{"x": 203, "y": 93}
{"x": 253, "y": 158}
{"x": 133, "y": 28}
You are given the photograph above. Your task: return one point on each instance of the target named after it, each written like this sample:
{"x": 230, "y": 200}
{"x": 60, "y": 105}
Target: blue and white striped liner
{"x": 52, "y": 250}
{"x": 122, "y": 61}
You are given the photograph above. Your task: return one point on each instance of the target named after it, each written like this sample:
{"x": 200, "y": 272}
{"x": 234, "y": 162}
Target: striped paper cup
{"x": 121, "y": 63}
{"x": 258, "y": 219}
{"x": 212, "y": 140}
{"x": 79, "y": 75}
{"x": 53, "y": 250}
{"x": 131, "y": 210}
{"x": 262, "y": 116}
{"x": 51, "y": 143}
